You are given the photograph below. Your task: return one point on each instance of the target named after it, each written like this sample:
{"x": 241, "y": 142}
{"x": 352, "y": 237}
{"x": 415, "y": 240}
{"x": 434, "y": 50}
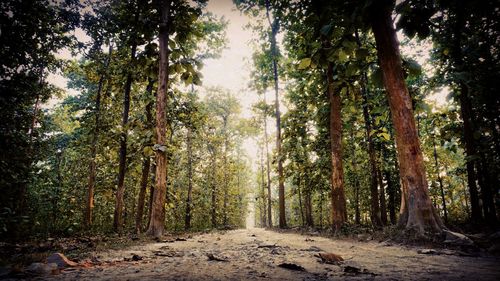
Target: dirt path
{"x": 254, "y": 254}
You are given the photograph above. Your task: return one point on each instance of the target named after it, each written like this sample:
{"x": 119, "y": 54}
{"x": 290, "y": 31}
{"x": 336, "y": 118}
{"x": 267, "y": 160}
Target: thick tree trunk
{"x": 146, "y": 163}
{"x": 339, "y": 211}
{"x": 281, "y": 185}
{"x": 93, "y": 147}
{"x": 157, "y": 222}
{"x": 120, "y": 191}
{"x": 420, "y": 214}
{"x": 189, "y": 199}
{"x": 268, "y": 172}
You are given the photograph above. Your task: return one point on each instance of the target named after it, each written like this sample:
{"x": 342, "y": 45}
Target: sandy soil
{"x": 254, "y": 254}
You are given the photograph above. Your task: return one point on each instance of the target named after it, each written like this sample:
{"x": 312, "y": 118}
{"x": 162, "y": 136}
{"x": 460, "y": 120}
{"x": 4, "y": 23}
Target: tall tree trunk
{"x": 214, "y": 191}
{"x": 440, "y": 180}
{"x": 157, "y": 222}
{"x": 357, "y": 216}
{"x": 391, "y": 192}
{"x": 301, "y": 208}
{"x": 263, "y": 185}
{"x": 486, "y": 182}
{"x": 268, "y": 171}
{"x": 120, "y": 191}
{"x": 189, "y": 199}
{"x": 420, "y": 214}
{"x": 374, "y": 196}
{"x": 93, "y": 147}
{"x": 383, "y": 208}
{"x": 151, "y": 193}
{"x": 467, "y": 118}
{"x": 226, "y": 176}
{"x": 274, "y": 52}
{"x": 308, "y": 208}
{"x": 339, "y": 211}
{"x": 146, "y": 163}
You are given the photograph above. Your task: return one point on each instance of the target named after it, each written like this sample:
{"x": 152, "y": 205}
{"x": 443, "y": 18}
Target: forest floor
{"x": 259, "y": 254}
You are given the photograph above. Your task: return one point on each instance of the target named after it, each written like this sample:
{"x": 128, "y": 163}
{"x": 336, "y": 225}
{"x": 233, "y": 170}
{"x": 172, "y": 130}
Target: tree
{"x": 157, "y": 220}
{"x": 417, "y": 211}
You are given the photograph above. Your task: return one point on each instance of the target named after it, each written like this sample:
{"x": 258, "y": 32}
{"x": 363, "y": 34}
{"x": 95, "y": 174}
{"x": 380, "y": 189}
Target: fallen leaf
{"x": 330, "y": 258}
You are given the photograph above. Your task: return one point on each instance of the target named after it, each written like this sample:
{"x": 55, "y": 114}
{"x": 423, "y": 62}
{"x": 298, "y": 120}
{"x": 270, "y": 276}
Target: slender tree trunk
{"x": 421, "y": 215}
{"x": 268, "y": 171}
{"x": 93, "y": 148}
{"x": 263, "y": 185}
{"x": 383, "y": 208}
{"x": 339, "y": 211}
{"x": 189, "y": 199}
{"x": 308, "y": 208}
{"x": 120, "y": 192}
{"x": 281, "y": 185}
{"x": 440, "y": 180}
{"x": 392, "y": 197}
{"x": 374, "y": 196}
{"x": 486, "y": 182}
{"x": 226, "y": 177}
{"x": 214, "y": 191}
{"x": 146, "y": 163}
{"x": 357, "y": 216}
{"x": 157, "y": 222}
{"x": 151, "y": 193}
{"x": 301, "y": 208}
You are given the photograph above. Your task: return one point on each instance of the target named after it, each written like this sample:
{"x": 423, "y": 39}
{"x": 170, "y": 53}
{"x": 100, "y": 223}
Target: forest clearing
{"x": 249, "y": 139}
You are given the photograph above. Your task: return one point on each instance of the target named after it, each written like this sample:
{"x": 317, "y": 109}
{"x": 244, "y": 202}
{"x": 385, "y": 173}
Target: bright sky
{"x": 232, "y": 70}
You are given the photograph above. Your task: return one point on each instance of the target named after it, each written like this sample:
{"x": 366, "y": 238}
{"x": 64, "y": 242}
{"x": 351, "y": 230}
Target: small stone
{"x": 39, "y": 268}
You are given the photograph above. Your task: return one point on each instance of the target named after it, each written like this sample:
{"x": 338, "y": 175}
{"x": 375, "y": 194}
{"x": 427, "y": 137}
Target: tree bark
{"x": 440, "y": 180}
{"x": 374, "y": 196}
{"x": 157, "y": 221}
{"x": 189, "y": 199}
{"x": 120, "y": 191}
{"x": 421, "y": 215}
{"x": 383, "y": 208}
{"x": 467, "y": 118}
{"x": 357, "y": 215}
{"x": 146, "y": 163}
{"x": 339, "y": 211}
{"x": 281, "y": 184}
{"x": 263, "y": 185}
{"x": 214, "y": 191}
{"x": 93, "y": 147}
{"x": 268, "y": 171}
{"x": 226, "y": 176}
{"x": 392, "y": 197}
